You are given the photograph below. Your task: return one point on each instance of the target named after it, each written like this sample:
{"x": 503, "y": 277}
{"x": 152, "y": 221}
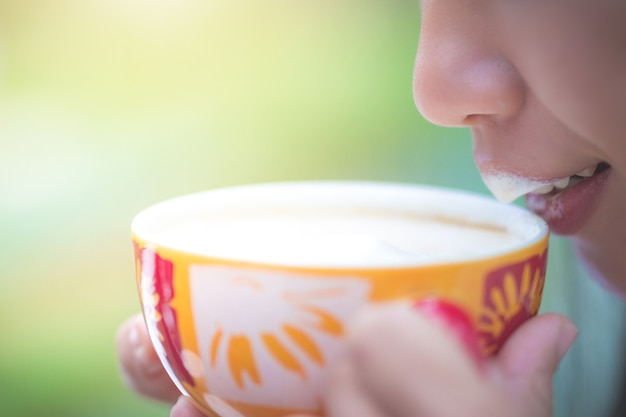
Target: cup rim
{"x": 436, "y": 201}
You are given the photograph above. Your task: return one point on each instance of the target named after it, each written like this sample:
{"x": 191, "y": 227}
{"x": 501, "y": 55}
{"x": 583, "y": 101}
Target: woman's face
{"x": 542, "y": 85}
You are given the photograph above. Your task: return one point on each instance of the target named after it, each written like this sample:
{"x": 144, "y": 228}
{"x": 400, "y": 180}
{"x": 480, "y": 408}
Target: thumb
{"x": 531, "y": 356}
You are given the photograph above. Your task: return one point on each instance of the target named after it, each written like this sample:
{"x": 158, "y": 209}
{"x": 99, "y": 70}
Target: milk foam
{"x": 508, "y": 187}
{"x": 334, "y": 239}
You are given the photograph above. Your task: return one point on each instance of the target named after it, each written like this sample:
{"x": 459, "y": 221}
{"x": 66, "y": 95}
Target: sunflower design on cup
{"x": 511, "y": 295}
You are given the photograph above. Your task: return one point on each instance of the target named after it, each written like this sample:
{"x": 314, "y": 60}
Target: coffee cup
{"x": 247, "y": 291}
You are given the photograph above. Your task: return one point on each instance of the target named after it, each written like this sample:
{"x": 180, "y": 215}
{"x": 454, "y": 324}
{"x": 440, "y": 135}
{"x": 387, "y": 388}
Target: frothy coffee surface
{"x": 335, "y": 238}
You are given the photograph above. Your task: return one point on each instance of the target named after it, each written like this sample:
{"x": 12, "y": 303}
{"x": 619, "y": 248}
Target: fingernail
{"x": 567, "y": 334}
{"x": 456, "y": 320}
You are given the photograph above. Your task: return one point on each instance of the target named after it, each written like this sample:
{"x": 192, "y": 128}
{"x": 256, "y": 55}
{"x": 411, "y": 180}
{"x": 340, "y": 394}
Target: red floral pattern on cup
{"x": 511, "y": 295}
{"x": 157, "y": 291}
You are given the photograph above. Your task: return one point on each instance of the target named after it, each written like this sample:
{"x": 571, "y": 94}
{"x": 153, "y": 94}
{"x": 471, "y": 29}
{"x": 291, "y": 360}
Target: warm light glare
{"x": 158, "y": 12}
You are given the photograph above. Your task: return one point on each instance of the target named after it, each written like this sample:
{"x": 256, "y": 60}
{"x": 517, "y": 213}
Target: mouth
{"x": 568, "y": 204}
{"x": 564, "y": 184}
{"x": 508, "y": 187}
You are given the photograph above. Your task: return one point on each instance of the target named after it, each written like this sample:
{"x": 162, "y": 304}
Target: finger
{"x": 140, "y": 366}
{"x": 345, "y": 395}
{"x": 412, "y": 365}
{"x": 301, "y": 415}
{"x": 531, "y": 356}
{"x": 185, "y": 408}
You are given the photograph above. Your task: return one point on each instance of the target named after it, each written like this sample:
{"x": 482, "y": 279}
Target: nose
{"x": 462, "y": 74}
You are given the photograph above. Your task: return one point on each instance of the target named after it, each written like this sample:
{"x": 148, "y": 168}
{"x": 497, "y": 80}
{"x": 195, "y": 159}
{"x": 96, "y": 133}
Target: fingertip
{"x": 301, "y": 415}
{"x": 126, "y": 338}
{"x": 432, "y": 327}
{"x": 456, "y": 320}
{"x": 139, "y": 365}
{"x": 130, "y": 333}
{"x": 377, "y": 317}
{"x": 134, "y": 347}
{"x": 371, "y": 327}
{"x": 567, "y": 337}
{"x": 184, "y": 408}
{"x": 406, "y": 362}
{"x": 538, "y": 346}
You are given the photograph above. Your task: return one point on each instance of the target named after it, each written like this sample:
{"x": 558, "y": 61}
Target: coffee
{"x": 349, "y": 229}
{"x": 345, "y": 238}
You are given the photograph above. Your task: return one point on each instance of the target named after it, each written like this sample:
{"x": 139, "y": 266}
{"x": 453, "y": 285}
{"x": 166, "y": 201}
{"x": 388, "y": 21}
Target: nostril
{"x": 466, "y": 89}
{"x": 472, "y": 119}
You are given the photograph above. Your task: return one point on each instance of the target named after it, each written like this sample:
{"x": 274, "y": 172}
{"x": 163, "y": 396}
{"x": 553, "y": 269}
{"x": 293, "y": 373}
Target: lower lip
{"x": 567, "y": 212}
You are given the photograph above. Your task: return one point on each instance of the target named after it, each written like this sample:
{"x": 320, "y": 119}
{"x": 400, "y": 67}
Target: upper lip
{"x": 507, "y": 186}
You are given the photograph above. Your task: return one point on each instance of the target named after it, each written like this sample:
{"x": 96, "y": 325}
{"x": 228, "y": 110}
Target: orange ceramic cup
{"x": 247, "y": 291}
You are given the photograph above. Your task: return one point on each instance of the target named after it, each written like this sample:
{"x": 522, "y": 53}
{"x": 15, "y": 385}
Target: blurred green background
{"x": 108, "y": 106}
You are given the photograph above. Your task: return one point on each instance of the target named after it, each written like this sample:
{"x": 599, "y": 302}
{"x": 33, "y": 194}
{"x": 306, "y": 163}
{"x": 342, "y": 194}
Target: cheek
{"x": 576, "y": 68}
{"x": 585, "y": 101}
{"x": 573, "y": 91}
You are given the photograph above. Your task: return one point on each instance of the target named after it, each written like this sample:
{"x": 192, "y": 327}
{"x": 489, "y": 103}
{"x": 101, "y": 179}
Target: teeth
{"x": 507, "y": 187}
{"x": 562, "y": 183}
{"x": 544, "y": 189}
{"x": 587, "y": 172}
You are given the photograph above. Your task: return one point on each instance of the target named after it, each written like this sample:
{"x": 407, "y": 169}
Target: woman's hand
{"x": 140, "y": 366}
{"x": 402, "y": 363}
{"x": 142, "y": 370}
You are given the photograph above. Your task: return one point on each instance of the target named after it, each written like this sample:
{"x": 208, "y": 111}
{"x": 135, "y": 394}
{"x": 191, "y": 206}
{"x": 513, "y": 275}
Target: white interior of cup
{"x": 216, "y": 223}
